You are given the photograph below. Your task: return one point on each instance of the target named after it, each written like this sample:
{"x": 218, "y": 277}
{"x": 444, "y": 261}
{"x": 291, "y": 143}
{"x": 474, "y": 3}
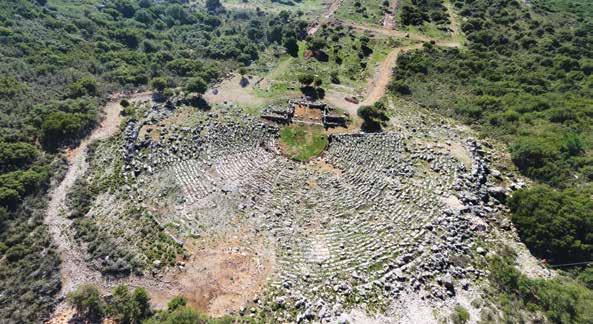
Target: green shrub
{"x": 196, "y": 85}
{"x": 87, "y": 301}
{"x": 86, "y": 86}
{"x": 561, "y": 299}
{"x": 460, "y": 315}
{"x": 374, "y": 117}
{"x": 129, "y": 308}
{"x": 556, "y": 225}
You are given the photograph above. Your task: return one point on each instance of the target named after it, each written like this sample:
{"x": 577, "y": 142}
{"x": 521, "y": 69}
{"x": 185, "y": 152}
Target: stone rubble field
{"x": 376, "y": 218}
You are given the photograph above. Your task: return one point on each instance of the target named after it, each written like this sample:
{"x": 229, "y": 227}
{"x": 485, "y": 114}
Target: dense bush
{"x": 88, "y": 303}
{"x": 523, "y": 77}
{"x": 374, "y": 117}
{"x": 563, "y": 300}
{"x": 178, "y": 312}
{"x": 29, "y": 267}
{"x": 129, "y": 308}
{"x": 417, "y": 12}
{"x": 555, "y": 224}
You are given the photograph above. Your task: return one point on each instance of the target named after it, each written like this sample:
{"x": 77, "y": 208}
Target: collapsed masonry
{"x": 306, "y": 112}
{"x": 390, "y": 216}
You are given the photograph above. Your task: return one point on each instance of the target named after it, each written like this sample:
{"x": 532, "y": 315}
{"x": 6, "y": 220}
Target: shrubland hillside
{"x": 526, "y": 79}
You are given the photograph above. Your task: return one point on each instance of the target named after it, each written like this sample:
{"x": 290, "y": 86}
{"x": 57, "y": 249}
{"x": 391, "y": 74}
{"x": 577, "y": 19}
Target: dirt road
{"x": 378, "y": 85}
{"x": 327, "y": 14}
{"x": 74, "y": 269}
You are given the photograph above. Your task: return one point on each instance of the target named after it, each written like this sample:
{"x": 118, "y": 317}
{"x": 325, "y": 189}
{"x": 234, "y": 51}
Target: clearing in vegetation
{"x": 303, "y": 142}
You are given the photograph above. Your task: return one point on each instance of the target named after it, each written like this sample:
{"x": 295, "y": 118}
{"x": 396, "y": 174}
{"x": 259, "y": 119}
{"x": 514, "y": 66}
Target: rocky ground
{"x": 374, "y": 220}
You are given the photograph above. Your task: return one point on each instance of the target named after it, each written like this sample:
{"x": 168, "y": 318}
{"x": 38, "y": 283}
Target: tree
{"x": 400, "y": 87}
{"x": 291, "y": 46}
{"x": 9, "y": 197}
{"x": 143, "y": 16}
{"x": 197, "y": 85}
{"x": 177, "y": 13}
{"x": 214, "y": 6}
{"x": 16, "y": 155}
{"x": 306, "y": 79}
{"x": 142, "y": 301}
{"x": 125, "y": 7}
{"x": 460, "y": 315}
{"x": 556, "y": 225}
{"x": 60, "y": 127}
{"x": 128, "y": 37}
{"x": 87, "y": 301}
{"x": 316, "y": 44}
{"x": 318, "y": 82}
{"x": 129, "y": 308}
{"x": 122, "y": 306}
{"x": 176, "y": 302}
{"x": 86, "y": 86}
{"x": 159, "y": 84}
{"x": 374, "y": 117}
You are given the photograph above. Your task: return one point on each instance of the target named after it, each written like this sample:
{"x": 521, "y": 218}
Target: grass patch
{"x": 369, "y": 11}
{"x": 303, "y": 142}
{"x": 345, "y": 60}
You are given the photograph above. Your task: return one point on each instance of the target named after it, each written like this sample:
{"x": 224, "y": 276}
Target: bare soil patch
{"x": 322, "y": 165}
{"x": 337, "y": 98}
{"x": 225, "y": 274}
{"x": 231, "y": 90}
{"x": 460, "y": 152}
{"x": 308, "y": 114}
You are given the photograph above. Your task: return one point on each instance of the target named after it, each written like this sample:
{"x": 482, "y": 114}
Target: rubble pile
{"x": 395, "y": 215}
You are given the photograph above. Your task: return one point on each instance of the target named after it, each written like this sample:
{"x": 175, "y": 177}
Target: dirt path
{"x": 213, "y": 287}
{"x": 74, "y": 269}
{"x": 378, "y": 30}
{"x": 327, "y": 14}
{"x": 378, "y": 85}
{"x": 389, "y": 19}
{"x": 73, "y": 266}
{"x": 455, "y": 26}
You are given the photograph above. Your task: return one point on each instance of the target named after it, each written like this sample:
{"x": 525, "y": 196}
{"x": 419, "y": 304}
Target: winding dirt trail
{"x": 378, "y": 85}
{"x": 74, "y": 269}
